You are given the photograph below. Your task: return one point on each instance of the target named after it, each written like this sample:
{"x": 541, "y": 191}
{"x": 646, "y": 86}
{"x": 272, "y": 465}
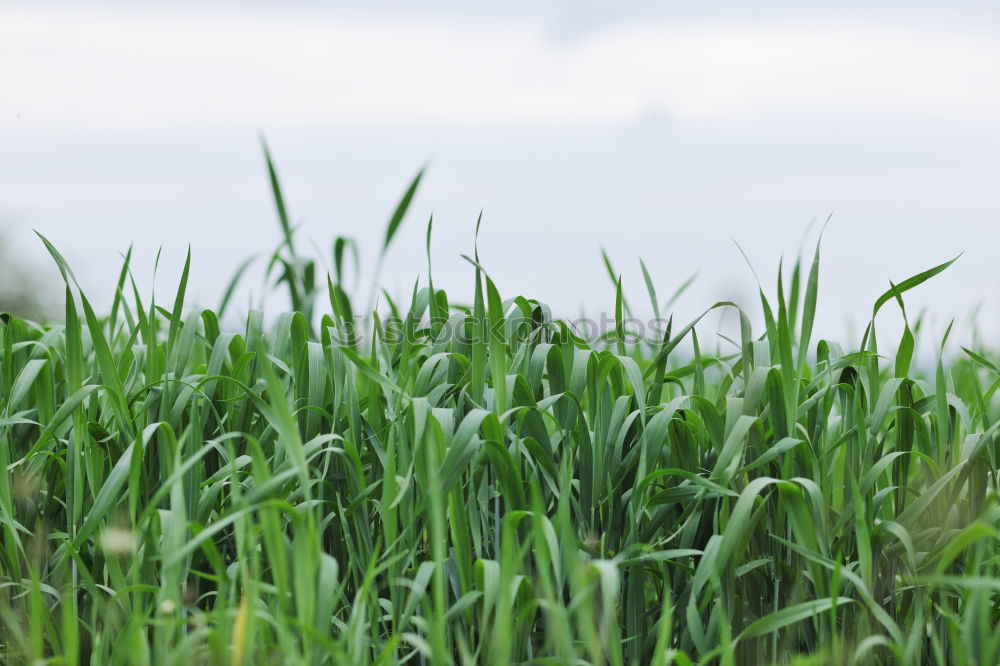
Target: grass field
{"x": 444, "y": 484}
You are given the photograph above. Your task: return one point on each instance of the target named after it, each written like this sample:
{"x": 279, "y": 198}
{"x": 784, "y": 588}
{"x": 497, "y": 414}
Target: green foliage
{"x": 487, "y": 487}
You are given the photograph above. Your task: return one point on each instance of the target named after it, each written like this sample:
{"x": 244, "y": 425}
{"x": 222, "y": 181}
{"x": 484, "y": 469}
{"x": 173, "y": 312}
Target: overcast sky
{"x": 660, "y": 130}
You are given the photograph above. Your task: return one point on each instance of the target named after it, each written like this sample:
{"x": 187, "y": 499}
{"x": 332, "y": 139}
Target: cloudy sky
{"x": 656, "y": 130}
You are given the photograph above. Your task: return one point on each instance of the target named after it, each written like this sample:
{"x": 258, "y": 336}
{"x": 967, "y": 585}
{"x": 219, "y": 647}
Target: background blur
{"x": 654, "y": 129}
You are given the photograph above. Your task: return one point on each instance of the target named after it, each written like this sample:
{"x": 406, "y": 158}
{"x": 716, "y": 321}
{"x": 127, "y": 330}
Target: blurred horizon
{"x": 657, "y": 132}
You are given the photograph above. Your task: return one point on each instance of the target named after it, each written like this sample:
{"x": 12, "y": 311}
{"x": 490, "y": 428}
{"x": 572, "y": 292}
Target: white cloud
{"x": 136, "y": 122}
{"x": 143, "y": 70}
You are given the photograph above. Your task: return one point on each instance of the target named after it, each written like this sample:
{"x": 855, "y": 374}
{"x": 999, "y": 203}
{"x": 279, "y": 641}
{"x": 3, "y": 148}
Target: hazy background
{"x": 661, "y": 130}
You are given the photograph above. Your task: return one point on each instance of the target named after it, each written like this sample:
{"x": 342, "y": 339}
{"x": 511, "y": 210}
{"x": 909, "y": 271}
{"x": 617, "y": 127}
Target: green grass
{"x": 476, "y": 484}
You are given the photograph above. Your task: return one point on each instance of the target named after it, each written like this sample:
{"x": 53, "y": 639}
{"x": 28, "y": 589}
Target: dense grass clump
{"x": 444, "y": 484}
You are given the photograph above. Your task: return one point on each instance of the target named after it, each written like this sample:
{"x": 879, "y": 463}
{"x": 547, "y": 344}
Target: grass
{"x": 477, "y": 484}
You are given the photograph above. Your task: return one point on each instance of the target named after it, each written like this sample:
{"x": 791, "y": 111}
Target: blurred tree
{"x": 22, "y": 292}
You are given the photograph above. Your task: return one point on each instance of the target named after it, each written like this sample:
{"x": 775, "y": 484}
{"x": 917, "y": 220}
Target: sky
{"x": 661, "y": 131}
